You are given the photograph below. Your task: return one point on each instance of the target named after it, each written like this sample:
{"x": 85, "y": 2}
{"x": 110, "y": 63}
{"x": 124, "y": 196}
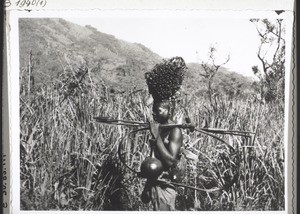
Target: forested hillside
{"x": 55, "y": 43}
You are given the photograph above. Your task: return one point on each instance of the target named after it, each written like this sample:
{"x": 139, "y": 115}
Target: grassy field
{"x": 70, "y": 162}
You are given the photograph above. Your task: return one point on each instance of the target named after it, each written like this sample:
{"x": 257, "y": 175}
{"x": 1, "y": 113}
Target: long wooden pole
{"x": 184, "y": 126}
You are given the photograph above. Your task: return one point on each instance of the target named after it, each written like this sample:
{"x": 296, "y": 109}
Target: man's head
{"x": 162, "y": 111}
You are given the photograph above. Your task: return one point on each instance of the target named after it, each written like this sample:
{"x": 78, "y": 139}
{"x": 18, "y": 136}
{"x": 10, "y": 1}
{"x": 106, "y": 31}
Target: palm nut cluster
{"x": 165, "y": 79}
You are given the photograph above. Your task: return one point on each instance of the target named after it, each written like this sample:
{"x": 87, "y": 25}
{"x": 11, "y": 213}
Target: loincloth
{"x": 163, "y": 196}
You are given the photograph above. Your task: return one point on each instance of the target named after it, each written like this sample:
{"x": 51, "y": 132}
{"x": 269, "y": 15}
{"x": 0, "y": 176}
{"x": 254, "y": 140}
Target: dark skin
{"x": 166, "y": 153}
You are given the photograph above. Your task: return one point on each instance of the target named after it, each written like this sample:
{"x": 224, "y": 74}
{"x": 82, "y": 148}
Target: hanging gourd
{"x": 151, "y": 167}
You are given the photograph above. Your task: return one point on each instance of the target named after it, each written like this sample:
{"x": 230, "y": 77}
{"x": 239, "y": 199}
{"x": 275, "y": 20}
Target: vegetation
{"x": 210, "y": 70}
{"x": 70, "y": 162}
{"x": 121, "y": 65}
{"x": 271, "y": 54}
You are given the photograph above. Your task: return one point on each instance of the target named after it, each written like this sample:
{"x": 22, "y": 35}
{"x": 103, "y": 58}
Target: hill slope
{"x": 57, "y": 44}
{"x": 54, "y": 42}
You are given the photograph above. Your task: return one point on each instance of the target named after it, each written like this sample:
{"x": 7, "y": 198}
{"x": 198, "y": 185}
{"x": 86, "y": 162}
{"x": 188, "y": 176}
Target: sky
{"x": 188, "y": 37}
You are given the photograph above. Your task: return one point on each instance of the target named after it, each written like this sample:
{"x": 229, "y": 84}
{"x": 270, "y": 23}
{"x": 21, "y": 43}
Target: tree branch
{"x": 278, "y": 41}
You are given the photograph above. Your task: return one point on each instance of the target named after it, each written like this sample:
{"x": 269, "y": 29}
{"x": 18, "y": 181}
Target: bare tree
{"x": 210, "y": 68}
{"x": 271, "y": 54}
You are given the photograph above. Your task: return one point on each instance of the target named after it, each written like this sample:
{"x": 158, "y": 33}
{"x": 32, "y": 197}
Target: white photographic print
{"x": 150, "y": 110}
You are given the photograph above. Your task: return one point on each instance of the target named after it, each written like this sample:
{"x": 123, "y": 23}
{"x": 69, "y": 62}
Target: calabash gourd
{"x": 151, "y": 167}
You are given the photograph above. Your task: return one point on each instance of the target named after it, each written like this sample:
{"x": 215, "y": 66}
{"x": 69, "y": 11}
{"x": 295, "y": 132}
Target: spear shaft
{"x": 184, "y": 126}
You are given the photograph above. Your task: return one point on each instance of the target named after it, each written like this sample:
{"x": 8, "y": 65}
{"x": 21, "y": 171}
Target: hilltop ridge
{"x": 56, "y": 44}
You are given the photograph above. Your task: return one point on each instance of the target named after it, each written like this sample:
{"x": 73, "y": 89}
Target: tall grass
{"x": 70, "y": 162}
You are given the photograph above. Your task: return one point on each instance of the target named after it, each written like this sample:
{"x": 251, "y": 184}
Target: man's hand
{"x": 154, "y": 128}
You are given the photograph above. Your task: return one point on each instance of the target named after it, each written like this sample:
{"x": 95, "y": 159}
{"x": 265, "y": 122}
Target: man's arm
{"x": 168, "y": 154}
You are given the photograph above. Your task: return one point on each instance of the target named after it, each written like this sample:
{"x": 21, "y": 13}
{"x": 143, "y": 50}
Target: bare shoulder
{"x": 176, "y": 134}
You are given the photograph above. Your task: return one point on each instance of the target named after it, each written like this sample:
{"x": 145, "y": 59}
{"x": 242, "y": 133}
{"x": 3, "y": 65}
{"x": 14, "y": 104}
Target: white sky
{"x": 189, "y": 37}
